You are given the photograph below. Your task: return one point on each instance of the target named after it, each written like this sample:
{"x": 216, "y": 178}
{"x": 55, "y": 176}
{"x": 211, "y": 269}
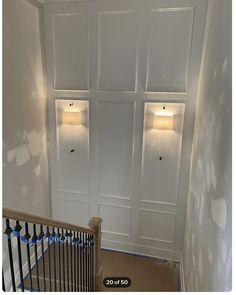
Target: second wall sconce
{"x": 162, "y": 122}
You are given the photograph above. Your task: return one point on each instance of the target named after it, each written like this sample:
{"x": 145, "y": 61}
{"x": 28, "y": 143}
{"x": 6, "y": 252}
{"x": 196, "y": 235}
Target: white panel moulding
{"x": 111, "y": 60}
{"x": 79, "y": 211}
{"x": 161, "y": 154}
{"x": 115, "y": 149}
{"x": 73, "y": 147}
{"x": 157, "y": 225}
{"x": 70, "y": 51}
{"x": 117, "y": 51}
{"x": 169, "y": 47}
{"x": 116, "y": 219}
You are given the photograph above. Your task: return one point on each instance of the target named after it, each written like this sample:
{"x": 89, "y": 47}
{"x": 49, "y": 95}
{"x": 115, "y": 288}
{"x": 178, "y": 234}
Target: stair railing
{"x": 42, "y": 254}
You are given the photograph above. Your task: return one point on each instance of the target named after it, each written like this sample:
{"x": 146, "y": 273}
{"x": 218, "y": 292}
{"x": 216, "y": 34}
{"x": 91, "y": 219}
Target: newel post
{"x": 95, "y": 224}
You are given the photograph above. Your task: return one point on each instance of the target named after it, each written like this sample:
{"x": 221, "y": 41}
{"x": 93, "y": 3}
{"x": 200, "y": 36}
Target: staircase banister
{"x": 22, "y": 216}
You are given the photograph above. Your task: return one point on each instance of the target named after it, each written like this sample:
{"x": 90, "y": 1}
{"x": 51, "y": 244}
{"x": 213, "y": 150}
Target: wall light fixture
{"x": 163, "y": 122}
{"x": 71, "y": 118}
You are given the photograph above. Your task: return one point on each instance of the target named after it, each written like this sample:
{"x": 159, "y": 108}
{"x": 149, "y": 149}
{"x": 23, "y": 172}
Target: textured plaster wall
{"x": 207, "y": 254}
{"x": 25, "y": 161}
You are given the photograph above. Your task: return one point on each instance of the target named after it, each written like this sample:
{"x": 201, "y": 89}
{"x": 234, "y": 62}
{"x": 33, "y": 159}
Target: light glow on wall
{"x": 71, "y": 118}
{"x": 163, "y": 122}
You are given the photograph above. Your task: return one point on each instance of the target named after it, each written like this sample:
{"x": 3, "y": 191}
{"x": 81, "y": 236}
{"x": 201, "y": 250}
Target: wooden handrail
{"x": 21, "y": 216}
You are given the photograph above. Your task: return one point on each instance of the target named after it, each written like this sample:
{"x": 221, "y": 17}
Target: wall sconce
{"x": 163, "y": 122}
{"x": 71, "y": 118}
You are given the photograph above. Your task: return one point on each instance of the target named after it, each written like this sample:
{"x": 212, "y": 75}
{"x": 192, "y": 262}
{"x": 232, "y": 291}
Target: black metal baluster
{"x": 67, "y": 261}
{"x": 77, "y": 261}
{"x": 3, "y": 282}
{"x": 59, "y": 258}
{"x": 86, "y": 263}
{"x": 27, "y": 237}
{"x": 92, "y": 266}
{"x": 41, "y": 236}
{"x": 63, "y": 261}
{"x": 54, "y": 259}
{"x": 87, "y": 242}
{"x": 74, "y": 247}
{"x": 8, "y": 232}
{"x": 81, "y": 262}
{"x": 89, "y": 249}
{"x": 49, "y": 260}
{"x": 89, "y": 262}
{"x": 90, "y": 289}
{"x": 34, "y": 240}
{"x": 18, "y": 228}
{"x": 71, "y": 261}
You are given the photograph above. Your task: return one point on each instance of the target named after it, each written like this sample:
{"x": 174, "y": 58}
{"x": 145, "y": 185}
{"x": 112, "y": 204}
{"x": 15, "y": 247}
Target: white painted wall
{"x": 25, "y": 161}
{"x": 121, "y": 62}
{"x": 207, "y": 252}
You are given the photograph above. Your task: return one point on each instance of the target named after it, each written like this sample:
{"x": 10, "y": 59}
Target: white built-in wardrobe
{"x": 119, "y": 63}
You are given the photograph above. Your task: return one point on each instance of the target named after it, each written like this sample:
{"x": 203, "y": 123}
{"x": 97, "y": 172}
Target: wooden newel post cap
{"x": 95, "y": 222}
